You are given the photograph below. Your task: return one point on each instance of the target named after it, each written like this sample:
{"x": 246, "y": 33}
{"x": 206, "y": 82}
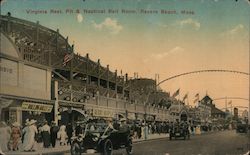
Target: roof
{"x": 216, "y": 110}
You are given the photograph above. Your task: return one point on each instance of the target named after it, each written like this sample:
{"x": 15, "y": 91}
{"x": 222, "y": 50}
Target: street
{"x": 213, "y": 143}
{"x": 219, "y": 143}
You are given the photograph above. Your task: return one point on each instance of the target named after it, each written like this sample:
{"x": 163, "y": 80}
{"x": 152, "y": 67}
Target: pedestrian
{"x": 62, "y": 135}
{"x": 78, "y": 129}
{"x": 45, "y": 131}
{"x": 69, "y": 131}
{"x": 139, "y": 131}
{"x": 124, "y": 126}
{"x": 25, "y": 132}
{"x": 4, "y": 136}
{"x": 146, "y": 131}
{"x": 31, "y": 133}
{"x": 53, "y": 133}
{"x": 15, "y": 135}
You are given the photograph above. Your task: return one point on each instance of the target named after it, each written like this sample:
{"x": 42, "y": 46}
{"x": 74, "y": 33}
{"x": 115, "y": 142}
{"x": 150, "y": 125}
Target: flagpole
{"x": 179, "y": 102}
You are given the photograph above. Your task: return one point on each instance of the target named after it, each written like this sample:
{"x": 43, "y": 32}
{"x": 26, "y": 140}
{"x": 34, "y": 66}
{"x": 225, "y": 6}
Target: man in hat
{"x": 45, "y": 129}
{"x": 53, "y": 133}
{"x": 69, "y": 131}
{"x": 124, "y": 127}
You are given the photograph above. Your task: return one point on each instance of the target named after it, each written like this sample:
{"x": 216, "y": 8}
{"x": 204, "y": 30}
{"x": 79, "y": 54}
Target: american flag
{"x": 67, "y": 58}
{"x": 185, "y": 97}
{"x": 176, "y": 93}
{"x": 197, "y": 96}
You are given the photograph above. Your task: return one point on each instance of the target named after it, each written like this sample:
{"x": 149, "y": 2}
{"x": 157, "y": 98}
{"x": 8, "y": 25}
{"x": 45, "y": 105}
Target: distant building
{"x": 235, "y": 113}
{"x": 215, "y": 112}
{"x": 245, "y": 114}
{"x": 205, "y": 112}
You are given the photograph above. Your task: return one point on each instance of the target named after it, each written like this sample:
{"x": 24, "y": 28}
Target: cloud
{"x": 234, "y": 31}
{"x": 158, "y": 56}
{"x": 110, "y": 24}
{"x": 191, "y": 22}
{"x": 79, "y": 18}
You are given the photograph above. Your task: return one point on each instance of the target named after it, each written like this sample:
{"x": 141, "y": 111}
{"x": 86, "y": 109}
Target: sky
{"x": 211, "y": 34}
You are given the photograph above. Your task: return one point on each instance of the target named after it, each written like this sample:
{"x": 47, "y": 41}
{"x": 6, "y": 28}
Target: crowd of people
{"x": 14, "y": 137}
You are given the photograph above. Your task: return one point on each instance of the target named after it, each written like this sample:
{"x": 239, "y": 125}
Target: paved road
{"x": 219, "y": 143}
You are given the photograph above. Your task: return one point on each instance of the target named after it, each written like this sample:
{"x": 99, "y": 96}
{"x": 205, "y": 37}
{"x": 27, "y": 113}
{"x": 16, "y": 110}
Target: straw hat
{"x": 123, "y": 119}
{"x": 16, "y": 124}
{"x": 27, "y": 122}
{"x": 32, "y": 121}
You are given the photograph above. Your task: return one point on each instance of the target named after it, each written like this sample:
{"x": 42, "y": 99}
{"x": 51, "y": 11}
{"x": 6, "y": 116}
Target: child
{"x": 62, "y": 135}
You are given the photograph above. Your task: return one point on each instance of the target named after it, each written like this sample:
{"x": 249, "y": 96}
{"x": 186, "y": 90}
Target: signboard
{"x": 8, "y": 72}
{"x": 103, "y": 113}
{"x": 30, "y": 106}
{"x": 131, "y": 116}
{"x": 150, "y": 118}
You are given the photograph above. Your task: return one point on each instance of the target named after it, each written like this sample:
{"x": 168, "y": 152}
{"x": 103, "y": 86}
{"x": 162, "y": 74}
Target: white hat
{"x": 32, "y": 121}
{"x": 16, "y": 124}
{"x": 123, "y": 119}
{"x": 27, "y": 122}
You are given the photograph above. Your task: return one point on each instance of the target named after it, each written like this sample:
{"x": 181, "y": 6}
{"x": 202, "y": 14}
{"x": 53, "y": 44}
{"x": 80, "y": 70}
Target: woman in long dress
{"x": 4, "y": 136}
{"x": 15, "y": 135}
{"x": 32, "y": 131}
{"x": 25, "y": 132}
{"x": 62, "y": 135}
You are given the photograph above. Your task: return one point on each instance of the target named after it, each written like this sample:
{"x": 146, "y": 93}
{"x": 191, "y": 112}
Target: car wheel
{"x": 108, "y": 147}
{"x": 75, "y": 149}
{"x": 129, "y": 148}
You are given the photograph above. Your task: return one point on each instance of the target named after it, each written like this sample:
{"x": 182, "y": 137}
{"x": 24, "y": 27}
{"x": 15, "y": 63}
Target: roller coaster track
{"x": 231, "y": 98}
{"x": 202, "y": 71}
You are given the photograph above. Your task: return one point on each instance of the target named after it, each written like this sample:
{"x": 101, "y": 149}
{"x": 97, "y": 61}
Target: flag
{"x": 185, "y": 97}
{"x": 67, "y": 58}
{"x": 176, "y": 93}
{"x": 196, "y": 98}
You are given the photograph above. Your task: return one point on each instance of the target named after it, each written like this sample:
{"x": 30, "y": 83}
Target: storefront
{"x": 22, "y": 84}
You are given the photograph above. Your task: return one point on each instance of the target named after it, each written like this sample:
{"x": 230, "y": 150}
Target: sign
{"x": 30, "y": 106}
{"x": 103, "y": 113}
{"x": 150, "y": 118}
{"x": 131, "y": 116}
{"x": 8, "y": 72}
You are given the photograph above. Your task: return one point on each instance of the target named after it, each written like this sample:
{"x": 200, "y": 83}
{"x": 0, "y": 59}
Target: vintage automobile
{"x": 100, "y": 138}
{"x": 241, "y": 127}
{"x": 178, "y": 131}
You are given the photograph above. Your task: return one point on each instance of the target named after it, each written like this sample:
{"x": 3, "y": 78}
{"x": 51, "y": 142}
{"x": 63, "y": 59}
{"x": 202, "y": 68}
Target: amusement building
{"x": 43, "y": 78}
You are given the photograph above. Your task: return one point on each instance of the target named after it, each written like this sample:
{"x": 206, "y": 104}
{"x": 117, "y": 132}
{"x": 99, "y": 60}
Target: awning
{"x": 80, "y": 111}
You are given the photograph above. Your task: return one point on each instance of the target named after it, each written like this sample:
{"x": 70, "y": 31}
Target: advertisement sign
{"x": 30, "y": 106}
{"x": 103, "y": 113}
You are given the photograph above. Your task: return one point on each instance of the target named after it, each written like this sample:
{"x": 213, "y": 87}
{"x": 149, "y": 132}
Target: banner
{"x": 30, "y": 106}
{"x": 103, "y": 113}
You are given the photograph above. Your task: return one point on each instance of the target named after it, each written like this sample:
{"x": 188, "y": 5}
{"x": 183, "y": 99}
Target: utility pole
{"x": 56, "y": 106}
{"x": 226, "y": 104}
